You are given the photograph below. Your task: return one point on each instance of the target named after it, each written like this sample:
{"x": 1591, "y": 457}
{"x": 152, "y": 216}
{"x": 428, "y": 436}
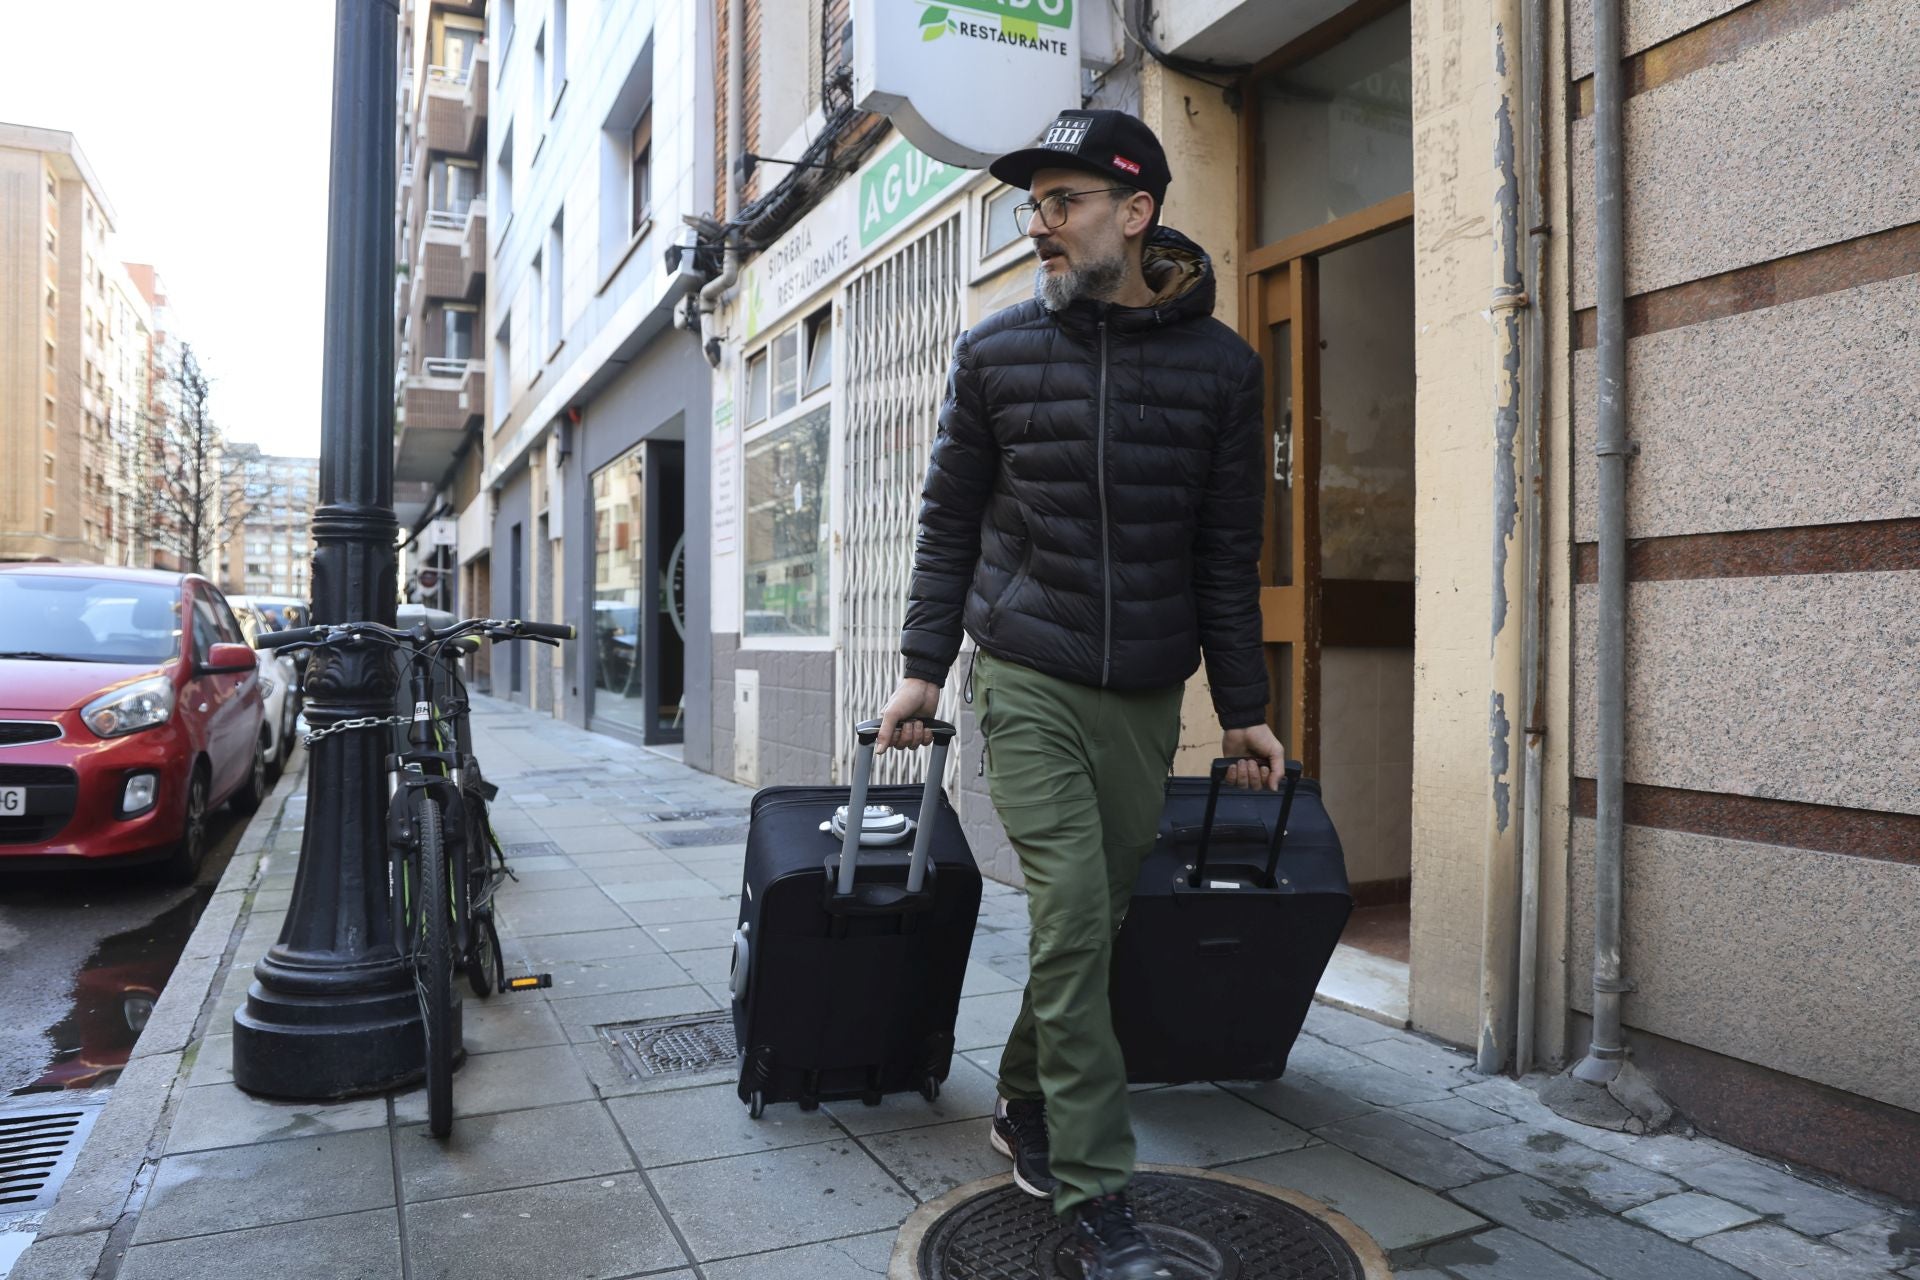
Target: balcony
{"x": 475, "y": 103}
{"x": 441, "y": 272}
{"x": 473, "y": 253}
{"x": 444, "y": 106}
{"x": 438, "y": 407}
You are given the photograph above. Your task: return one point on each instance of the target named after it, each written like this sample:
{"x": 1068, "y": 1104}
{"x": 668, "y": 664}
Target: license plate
{"x": 13, "y": 801}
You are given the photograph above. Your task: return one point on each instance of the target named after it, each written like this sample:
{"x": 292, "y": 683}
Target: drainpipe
{"x": 711, "y": 292}
{"x": 1506, "y": 650}
{"x": 1602, "y": 1064}
{"x": 1533, "y": 93}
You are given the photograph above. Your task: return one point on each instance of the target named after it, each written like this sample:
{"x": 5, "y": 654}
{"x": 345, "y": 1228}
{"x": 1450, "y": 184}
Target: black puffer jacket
{"x": 1093, "y": 505}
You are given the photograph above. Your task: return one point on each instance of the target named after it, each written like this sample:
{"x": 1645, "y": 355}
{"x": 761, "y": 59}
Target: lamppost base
{"x": 336, "y": 1046}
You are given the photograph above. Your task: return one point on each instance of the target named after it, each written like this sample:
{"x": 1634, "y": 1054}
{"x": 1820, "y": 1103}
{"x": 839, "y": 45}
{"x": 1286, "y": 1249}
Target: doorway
{"x": 1329, "y": 305}
{"x": 639, "y": 593}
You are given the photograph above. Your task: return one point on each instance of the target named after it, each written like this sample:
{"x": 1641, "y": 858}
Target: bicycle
{"x": 441, "y": 846}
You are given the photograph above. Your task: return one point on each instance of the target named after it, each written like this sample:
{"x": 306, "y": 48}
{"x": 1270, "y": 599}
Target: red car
{"x": 130, "y": 706}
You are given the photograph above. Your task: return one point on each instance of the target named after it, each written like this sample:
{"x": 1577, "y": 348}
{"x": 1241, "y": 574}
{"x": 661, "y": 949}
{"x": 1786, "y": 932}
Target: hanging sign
{"x": 967, "y": 80}
{"x": 898, "y": 185}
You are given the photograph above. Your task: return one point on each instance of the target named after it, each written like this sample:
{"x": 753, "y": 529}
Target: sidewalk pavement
{"x": 563, "y": 1164}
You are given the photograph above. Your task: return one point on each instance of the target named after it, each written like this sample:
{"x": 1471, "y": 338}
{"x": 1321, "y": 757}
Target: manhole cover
{"x": 1207, "y": 1230}
{"x": 37, "y": 1151}
{"x": 673, "y": 1046}
{"x": 536, "y": 849}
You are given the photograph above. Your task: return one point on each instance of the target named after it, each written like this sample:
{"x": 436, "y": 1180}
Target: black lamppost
{"x": 331, "y": 1011}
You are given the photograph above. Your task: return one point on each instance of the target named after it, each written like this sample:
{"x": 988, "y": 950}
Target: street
{"x": 83, "y": 956}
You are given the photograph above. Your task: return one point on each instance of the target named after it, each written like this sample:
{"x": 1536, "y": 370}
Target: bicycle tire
{"x": 433, "y": 964}
{"x": 484, "y": 955}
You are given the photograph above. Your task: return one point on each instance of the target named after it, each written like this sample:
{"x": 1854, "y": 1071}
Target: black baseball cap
{"x": 1111, "y": 143}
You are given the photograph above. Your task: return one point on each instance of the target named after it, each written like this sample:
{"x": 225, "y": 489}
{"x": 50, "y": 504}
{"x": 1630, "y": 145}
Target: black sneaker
{"x": 1020, "y": 1134}
{"x": 1109, "y": 1245}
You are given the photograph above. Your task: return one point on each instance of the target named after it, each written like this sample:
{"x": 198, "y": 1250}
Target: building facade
{"x": 72, "y": 343}
{"x": 271, "y": 551}
{"x": 598, "y": 149}
{"x": 1362, "y": 176}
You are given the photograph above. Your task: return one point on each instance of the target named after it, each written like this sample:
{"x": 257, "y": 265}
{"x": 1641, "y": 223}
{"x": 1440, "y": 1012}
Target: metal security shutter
{"x": 902, "y": 318}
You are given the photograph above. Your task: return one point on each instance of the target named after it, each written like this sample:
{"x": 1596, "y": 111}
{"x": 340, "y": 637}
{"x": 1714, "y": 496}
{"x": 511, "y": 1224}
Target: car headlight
{"x": 266, "y": 687}
{"x": 139, "y": 705}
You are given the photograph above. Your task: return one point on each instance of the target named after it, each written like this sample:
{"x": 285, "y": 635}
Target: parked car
{"x": 281, "y": 611}
{"x": 279, "y": 684}
{"x": 130, "y": 706}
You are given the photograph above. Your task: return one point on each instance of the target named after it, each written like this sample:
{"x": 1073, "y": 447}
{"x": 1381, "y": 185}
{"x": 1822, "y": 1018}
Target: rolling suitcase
{"x": 850, "y": 951}
{"x": 1234, "y": 918}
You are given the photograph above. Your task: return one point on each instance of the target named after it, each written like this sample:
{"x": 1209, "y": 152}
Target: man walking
{"x": 1092, "y": 517}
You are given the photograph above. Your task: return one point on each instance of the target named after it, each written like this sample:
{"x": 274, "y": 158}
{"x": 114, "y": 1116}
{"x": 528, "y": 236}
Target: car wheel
{"x": 183, "y": 863}
{"x": 255, "y": 788}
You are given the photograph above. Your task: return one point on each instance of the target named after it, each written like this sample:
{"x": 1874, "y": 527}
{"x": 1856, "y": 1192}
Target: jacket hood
{"x": 1181, "y": 276}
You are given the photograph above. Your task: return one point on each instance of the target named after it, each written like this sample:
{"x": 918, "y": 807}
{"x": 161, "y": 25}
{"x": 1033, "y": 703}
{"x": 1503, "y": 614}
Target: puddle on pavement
{"x": 113, "y": 995}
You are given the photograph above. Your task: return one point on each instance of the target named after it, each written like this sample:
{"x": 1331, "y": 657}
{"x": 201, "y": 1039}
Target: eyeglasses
{"x": 1054, "y": 209}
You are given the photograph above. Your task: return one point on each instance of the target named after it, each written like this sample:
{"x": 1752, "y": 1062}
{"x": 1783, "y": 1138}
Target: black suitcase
{"x": 848, "y": 960}
{"x": 1234, "y": 918}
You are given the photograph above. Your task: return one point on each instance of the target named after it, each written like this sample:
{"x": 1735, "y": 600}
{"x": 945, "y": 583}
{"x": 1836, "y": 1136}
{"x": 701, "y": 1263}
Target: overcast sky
{"x": 207, "y": 123}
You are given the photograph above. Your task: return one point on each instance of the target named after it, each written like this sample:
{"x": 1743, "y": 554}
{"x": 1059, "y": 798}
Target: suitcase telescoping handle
{"x": 866, "y": 733}
{"x": 1215, "y": 777}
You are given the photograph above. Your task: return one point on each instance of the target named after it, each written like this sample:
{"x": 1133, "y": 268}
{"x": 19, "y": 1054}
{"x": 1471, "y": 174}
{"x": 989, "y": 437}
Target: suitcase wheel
{"x": 871, "y": 1097}
{"x": 930, "y": 1087}
{"x": 757, "y": 1105}
{"x": 809, "y": 1102}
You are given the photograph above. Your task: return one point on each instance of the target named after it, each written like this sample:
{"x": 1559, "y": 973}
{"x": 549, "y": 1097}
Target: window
{"x": 787, "y": 529}
{"x": 640, "y": 173}
{"x": 452, "y": 185}
{"x": 502, "y": 373}
{"x": 536, "y": 308}
{"x": 503, "y": 30}
{"x": 786, "y": 563}
{"x": 556, "y": 55}
{"x": 206, "y": 628}
{"x": 457, "y": 339}
{"x": 503, "y": 181}
{"x": 556, "y": 282}
{"x": 819, "y": 331}
{"x": 998, "y": 229}
{"x": 538, "y": 91}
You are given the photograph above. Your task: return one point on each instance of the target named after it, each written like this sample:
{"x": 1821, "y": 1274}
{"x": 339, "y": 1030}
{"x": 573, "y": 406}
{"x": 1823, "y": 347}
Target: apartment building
{"x": 70, "y": 340}
{"x": 1361, "y": 176}
{"x": 270, "y": 552}
{"x": 441, "y": 245}
{"x": 597, "y": 452}
{"x": 148, "y": 427}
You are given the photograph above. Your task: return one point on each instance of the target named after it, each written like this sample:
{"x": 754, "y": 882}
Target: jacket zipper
{"x": 1106, "y": 563}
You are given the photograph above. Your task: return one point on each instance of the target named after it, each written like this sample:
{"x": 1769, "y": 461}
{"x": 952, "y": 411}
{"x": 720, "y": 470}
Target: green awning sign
{"x": 900, "y": 183}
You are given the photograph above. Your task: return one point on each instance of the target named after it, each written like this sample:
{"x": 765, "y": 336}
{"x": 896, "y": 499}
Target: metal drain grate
{"x": 37, "y": 1151}
{"x": 673, "y": 1046}
{"x": 537, "y": 849}
{"x": 1206, "y": 1230}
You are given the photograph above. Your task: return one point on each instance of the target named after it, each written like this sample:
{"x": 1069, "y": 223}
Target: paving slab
{"x": 1200, "y": 1125}
{"x": 982, "y": 979}
{"x": 1455, "y": 1115}
{"x": 985, "y": 1020}
{"x": 1302, "y": 1100}
{"x": 212, "y": 1060}
{"x": 1617, "y": 1249}
{"x": 1892, "y": 1241}
{"x": 202, "y": 1192}
{"x": 354, "y": 1245}
{"x": 683, "y": 1125}
{"x": 1421, "y": 1059}
{"x": 711, "y": 965}
{"x": 223, "y": 1116}
{"x": 652, "y": 916}
{"x": 1384, "y": 1086}
{"x": 692, "y": 935}
{"x": 532, "y": 917}
{"x": 515, "y": 1022}
{"x": 1768, "y": 1189}
{"x": 636, "y": 971}
{"x": 853, "y": 1258}
{"x": 933, "y": 1160}
{"x": 967, "y": 1094}
{"x": 573, "y": 948}
{"x": 610, "y": 837}
{"x": 1690, "y": 1215}
{"x": 59, "y": 1257}
{"x": 510, "y": 1149}
{"x": 680, "y": 885}
{"x": 1502, "y": 1254}
{"x": 1408, "y": 1150}
{"x": 1398, "y": 1214}
{"x": 777, "y": 1199}
{"x": 1509, "y": 1097}
{"x": 593, "y": 1229}
{"x": 511, "y": 1080}
{"x": 1769, "y": 1251}
{"x": 1557, "y": 1159}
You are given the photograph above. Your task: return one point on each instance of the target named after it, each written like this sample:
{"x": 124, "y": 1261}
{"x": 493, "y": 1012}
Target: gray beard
{"x": 1099, "y": 279}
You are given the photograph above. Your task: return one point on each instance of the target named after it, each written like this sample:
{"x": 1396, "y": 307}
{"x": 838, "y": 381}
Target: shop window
{"x": 819, "y": 351}
{"x": 756, "y": 386}
{"x": 787, "y": 529}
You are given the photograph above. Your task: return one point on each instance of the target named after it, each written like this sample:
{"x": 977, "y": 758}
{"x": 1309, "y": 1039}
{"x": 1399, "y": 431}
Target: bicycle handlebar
{"x": 547, "y": 630}
{"x": 292, "y": 635}
{"x": 494, "y": 628}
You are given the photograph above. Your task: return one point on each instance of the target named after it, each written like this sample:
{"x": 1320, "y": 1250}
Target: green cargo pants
{"x": 1076, "y": 775}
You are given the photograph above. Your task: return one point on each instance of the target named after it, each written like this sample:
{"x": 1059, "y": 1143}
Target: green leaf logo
{"x": 934, "y": 16}
{"x": 1017, "y": 27}
{"x": 933, "y": 33}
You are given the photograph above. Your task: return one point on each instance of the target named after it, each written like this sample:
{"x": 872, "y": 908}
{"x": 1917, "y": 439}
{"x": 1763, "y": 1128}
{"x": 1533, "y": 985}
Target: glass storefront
{"x": 639, "y": 591}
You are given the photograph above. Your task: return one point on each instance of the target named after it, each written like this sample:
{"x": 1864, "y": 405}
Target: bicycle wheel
{"x": 433, "y": 963}
{"x": 484, "y": 956}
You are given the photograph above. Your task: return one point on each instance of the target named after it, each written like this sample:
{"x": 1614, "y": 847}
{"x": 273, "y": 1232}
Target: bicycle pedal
{"x": 529, "y": 982}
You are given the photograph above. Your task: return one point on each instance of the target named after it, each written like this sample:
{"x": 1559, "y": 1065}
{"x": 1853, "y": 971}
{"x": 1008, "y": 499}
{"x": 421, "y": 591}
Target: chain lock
{"x": 358, "y": 722}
